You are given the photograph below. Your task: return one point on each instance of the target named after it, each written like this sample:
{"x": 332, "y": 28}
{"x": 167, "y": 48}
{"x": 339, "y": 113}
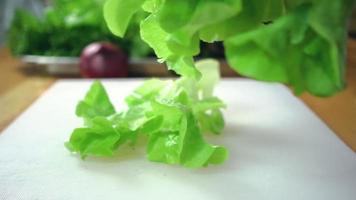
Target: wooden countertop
{"x": 19, "y": 88}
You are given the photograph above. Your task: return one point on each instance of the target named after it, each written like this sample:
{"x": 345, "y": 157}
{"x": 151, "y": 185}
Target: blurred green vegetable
{"x": 67, "y": 27}
{"x": 171, "y": 114}
{"x": 297, "y": 42}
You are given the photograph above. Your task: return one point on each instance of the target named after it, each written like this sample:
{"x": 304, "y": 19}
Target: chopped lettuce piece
{"x": 181, "y": 141}
{"x": 96, "y": 103}
{"x": 171, "y": 114}
{"x": 100, "y": 139}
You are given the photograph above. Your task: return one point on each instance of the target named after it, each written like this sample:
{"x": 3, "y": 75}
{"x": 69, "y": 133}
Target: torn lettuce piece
{"x": 100, "y": 139}
{"x": 181, "y": 142}
{"x": 211, "y": 121}
{"x": 211, "y": 70}
{"x": 146, "y": 92}
{"x": 195, "y": 151}
{"x": 172, "y": 115}
{"x": 96, "y": 103}
{"x": 206, "y": 107}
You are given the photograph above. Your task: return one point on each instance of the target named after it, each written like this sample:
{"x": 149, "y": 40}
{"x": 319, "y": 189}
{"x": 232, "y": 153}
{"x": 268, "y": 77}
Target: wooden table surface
{"x": 19, "y": 88}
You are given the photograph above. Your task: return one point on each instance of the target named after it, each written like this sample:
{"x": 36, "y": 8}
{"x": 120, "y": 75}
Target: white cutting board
{"x": 278, "y": 148}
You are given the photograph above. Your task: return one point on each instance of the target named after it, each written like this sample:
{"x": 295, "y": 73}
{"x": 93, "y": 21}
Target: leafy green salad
{"x": 171, "y": 114}
{"x": 297, "y": 42}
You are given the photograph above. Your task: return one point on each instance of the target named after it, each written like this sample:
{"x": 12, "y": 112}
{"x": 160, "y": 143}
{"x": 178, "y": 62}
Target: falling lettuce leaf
{"x": 297, "y": 42}
{"x": 171, "y": 114}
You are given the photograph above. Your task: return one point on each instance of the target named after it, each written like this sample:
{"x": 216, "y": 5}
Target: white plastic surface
{"x": 278, "y": 148}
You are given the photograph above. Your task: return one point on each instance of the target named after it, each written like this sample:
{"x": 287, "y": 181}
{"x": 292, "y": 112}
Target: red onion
{"x": 102, "y": 59}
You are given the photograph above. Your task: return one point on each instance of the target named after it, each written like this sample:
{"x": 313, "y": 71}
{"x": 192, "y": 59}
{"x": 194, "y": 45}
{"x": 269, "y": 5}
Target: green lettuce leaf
{"x": 201, "y": 17}
{"x": 172, "y": 115}
{"x": 298, "y": 42}
{"x": 100, "y": 139}
{"x": 181, "y": 142}
{"x": 249, "y": 18}
{"x": 302, "y": 49}
{"x": 206, "y": 107}
{"x": 118, "y": 14}
{"x": 155, "y": 37}
{"x": 173, "y": 19}
{"x": 96, "y": 103}
{"x": 212, "y": 121}
{"x": 152, "y": 5}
